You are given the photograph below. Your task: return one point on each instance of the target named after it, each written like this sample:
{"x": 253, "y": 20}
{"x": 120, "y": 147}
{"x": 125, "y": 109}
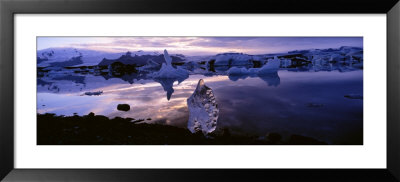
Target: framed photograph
{"x": 153, "y": 90}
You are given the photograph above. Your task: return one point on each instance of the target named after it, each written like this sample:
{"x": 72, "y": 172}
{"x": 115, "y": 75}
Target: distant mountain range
{"x": 140, "y": 60}
{"x": 78, "y": 57}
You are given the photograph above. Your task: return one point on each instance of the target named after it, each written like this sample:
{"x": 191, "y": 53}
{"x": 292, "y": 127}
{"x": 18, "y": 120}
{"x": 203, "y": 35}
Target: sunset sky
{"x": 199, "y": 45}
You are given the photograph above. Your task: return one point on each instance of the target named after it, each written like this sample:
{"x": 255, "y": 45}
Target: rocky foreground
{"x": 94, "y": 129}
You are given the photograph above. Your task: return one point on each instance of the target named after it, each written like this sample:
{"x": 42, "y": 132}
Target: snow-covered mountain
{"x": 66, "y": 56}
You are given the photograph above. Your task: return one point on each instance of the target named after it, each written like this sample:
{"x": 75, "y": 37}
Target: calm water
{"x": 306, "y": 103}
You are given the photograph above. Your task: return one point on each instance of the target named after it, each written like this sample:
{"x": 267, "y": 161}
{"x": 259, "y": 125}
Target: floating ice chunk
{"x": 94, "y": 93}
{"x": 242, "y": 71}
{"x": 271, "y": 66}
{"x": 170, "y": 72}
{"x": 167, "y": 71}
{"x": 253, "y": 71}
{"x": 203, "y": 109}
{"x": 237, "y": 71}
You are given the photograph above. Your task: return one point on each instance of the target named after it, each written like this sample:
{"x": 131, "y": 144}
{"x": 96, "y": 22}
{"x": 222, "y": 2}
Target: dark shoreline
{"x": 94, "y": 129}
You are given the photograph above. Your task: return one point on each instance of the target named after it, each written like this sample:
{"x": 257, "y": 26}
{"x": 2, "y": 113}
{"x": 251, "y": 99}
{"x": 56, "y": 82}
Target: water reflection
{"x": 248, "y": 103}
{"x": 167, "y": 84}
{"x": 272, "y": 79}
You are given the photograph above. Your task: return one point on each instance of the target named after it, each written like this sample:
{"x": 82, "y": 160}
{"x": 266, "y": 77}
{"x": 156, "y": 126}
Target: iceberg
{"x": 203, "y": 110}
{"x": 272, "y": 66}
{"x": 268, "y": 73}
{"x": 235, "y": 71}
{"x": 167, "y": 71}
{"x": 232, "y": 59}
{"x": 167, "y": 75}
{"x": 238, "y": 71}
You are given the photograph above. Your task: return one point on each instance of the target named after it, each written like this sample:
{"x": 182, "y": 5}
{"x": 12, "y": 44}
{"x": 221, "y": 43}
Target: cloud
{"x": 203, "y": 45}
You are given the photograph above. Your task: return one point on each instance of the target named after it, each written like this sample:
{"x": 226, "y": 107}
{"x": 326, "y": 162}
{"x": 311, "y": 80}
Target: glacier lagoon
{"x": 291, "y": 101}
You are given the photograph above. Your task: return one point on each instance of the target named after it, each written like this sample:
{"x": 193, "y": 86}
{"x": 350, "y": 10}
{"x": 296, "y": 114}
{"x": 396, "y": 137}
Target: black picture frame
{"x": 9, "y": 8}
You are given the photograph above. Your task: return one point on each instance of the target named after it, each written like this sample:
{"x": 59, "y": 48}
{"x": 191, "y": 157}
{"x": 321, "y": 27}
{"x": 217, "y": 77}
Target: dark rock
{"x": 226, "y": 132}
{"x": 118, "y": 69}
{"x": 123, "y": 107}
{"x": 274, "y": 137}
{"x": 101, "y": 130}
{"x": 91, "y": 114}
{"x": 93, "y": 93}
{"x": 303, "y": 140}
{"x": 257, "y": 64}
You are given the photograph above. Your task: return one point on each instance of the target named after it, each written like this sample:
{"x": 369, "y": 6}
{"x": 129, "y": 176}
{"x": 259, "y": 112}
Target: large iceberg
{"x": 272, "y": 66}
{"x": 167, "y": 75}
{"x": 167, "y": 71}
{"x": 268, "y": 73}
{"x": 203, "y": 109}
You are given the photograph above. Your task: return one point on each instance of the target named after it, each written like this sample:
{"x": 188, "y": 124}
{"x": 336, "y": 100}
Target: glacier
{"x": 203, "y": 110}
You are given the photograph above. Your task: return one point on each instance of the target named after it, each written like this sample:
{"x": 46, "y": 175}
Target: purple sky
{"x": 200, "y": 45}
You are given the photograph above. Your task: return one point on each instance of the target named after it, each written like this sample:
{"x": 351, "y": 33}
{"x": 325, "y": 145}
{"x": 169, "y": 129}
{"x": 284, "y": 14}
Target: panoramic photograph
{"x": 199, "y": 90}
